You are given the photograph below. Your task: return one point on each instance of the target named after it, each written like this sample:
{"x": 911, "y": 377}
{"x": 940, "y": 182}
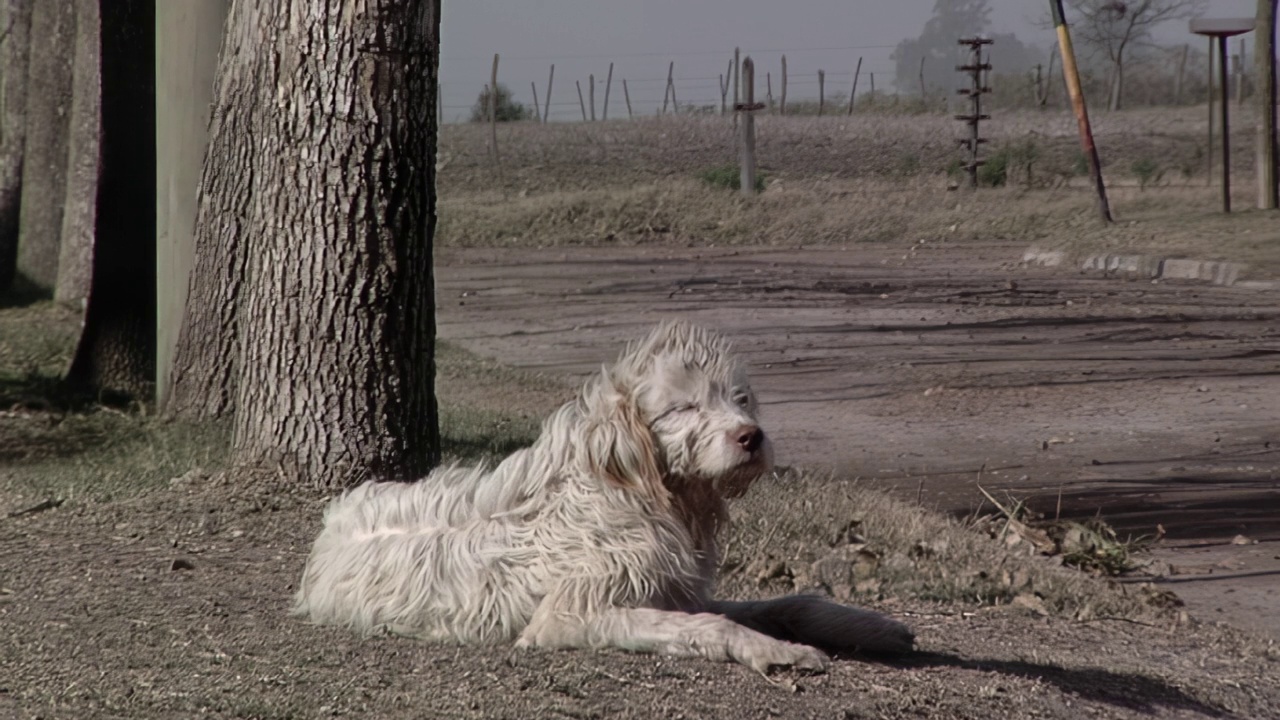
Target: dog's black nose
{"x": 750, "y": 437}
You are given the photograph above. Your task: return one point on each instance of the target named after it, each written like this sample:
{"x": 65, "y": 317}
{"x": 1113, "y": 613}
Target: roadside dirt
{"x": 912, "y": 369}
{"x": 936, "y": 368}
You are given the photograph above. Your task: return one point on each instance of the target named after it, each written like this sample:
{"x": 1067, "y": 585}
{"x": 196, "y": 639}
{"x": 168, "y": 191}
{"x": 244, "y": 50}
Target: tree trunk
{"x": 188, "y": 34}
{"x": 15, "y": 19}
{"x": 44, "y": 165}
{"x": 206, "y": 358}
{"x": 116, "y": 353}
{"x": 337, "y": 363}
{"x": 334, "y": 318}
{"x": 75, "y": 257}
{"x": 1117, "y": 87}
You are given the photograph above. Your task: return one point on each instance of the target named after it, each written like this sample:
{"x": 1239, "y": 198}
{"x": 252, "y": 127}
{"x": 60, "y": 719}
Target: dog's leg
{"x": 814, "y": 621}
{"x": 668, "y": 633}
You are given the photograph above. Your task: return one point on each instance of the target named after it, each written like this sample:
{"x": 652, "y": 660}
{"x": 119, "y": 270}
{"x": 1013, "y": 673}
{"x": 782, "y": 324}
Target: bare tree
{"x": 1114, "y": 29}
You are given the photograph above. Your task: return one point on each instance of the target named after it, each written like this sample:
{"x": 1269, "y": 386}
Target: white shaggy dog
{"x": 603, "y": 534}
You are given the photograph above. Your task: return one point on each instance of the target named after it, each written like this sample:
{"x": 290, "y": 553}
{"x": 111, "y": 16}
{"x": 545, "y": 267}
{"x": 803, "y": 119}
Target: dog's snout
{"x": 750, "y": 438}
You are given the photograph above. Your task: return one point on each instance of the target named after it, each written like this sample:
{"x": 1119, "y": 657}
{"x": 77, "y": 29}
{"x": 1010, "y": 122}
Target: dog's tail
{"x": 812, "y": 620}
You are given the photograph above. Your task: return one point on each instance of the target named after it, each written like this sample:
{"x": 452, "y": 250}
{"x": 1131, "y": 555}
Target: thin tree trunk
{"x": 1117, "y": 87}
{"x": 188, "y": 34}
{"x": 338, "y": 374}
{"x": 206, "y": 358}
{"x": 15, "y": 16}
{"x": 75, "y": 258}
{"x": 44, "y": 166}
{"x": 116, "y": 353}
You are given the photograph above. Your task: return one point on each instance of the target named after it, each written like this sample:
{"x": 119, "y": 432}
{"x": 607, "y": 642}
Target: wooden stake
{"x": 670, "y": 86}
{"x": 1208, "y": 176}
{"x": 581, "y": 103}
{"x": 591, "y": 93}
{"x": 1265, "y": 71}
{"x": 607, "y": 83}
{"x": 546, "y": 114}
{"x": 782, "y": 102}
{"x": 724, "y": 88}
{"x": 923, "y": 94}
{"x": 736, "y": 82}
{"x": 1225, "y": 125}
{"x": 537, "y": 109}
{"x": 1081, "y": 109}
{"x": 493, "y": 118}
{"x": 748, "y": 143}
{"x": 768, "y": 84}
{"x": 822, "y": 98}
{"x": 854, "y": 92}
{"x": 627, "y": 96}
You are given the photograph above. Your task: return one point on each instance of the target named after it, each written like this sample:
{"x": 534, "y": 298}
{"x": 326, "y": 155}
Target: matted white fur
{"x": 602, "y": 534}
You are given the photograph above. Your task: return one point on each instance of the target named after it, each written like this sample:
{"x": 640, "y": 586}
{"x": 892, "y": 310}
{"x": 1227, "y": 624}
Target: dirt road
{"x": 934, "y": 368}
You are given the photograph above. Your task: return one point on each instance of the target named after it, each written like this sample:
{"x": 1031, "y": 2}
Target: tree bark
{"x": 15, "y": 19}
{"x": 188, "y": 35}
{"x": 75, "y": 257}
{"x": 337, "y": 345}
{"x": 44, "y": 166}
{"x": 317, "y": 222}
{"x": 206, "y": 358}
{"x": 116, "y": 353}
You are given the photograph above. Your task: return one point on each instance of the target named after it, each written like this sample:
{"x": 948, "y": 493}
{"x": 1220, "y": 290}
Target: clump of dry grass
{"x": 799, "y": 531}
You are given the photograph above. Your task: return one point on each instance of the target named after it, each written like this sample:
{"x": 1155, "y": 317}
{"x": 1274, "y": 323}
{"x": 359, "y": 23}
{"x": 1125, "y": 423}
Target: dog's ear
{"x": 619, "y": 446}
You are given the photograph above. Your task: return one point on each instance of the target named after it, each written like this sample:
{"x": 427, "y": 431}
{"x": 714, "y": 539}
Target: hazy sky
{"x": 641, "y": 36}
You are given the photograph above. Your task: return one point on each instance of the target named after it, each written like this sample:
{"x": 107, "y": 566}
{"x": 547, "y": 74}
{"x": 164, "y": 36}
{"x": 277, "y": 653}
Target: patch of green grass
{"x": 55, "y": 445}
{"x": 995, "y": 171}
{"x": 1147, "y": 171}
{"x": 730, "y": 177}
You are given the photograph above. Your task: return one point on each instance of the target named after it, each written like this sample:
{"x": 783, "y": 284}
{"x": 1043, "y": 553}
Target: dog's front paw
{"x": 760, "y": 656}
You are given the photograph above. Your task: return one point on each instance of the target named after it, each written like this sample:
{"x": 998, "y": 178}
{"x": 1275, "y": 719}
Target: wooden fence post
{"x": 1208, "y": 176}
{"x": 591, "y": 93}
{"x": 581, "y": 103}
{"x": 537, "y": 109}
{"x": 1265, "y": 72}
{"x": 667, "y": 93}
{"x": 822, "y": 96}
{"x": 671, "y": 80}
{"x": 923, "y": 93}
{"x": 627, "y": 96}
{"x": 853, "y": 93}
{"x": 493, "y": 118}
{"x": 737, "y": 81}
{"x": 782, "y": 102}
{"x": 724, "y": 89}
{"x": 748, "y": 143}
{"x": 873, "y": 87}
{"x": 607, "y": 83}
{"x": 768, "y": 84}
{"x": 546, "y": 113}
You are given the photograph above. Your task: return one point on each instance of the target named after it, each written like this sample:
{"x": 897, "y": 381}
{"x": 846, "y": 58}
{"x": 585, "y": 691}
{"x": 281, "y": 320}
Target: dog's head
{"x": 676, "y": 409}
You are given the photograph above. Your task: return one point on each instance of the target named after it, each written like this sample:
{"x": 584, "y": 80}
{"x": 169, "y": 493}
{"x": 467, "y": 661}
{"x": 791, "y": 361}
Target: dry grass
{"x": 866, "y": 178}
{"x": 859, "y": 543}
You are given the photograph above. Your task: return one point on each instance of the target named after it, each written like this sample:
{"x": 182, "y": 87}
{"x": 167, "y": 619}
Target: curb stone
{"x": 1211, "y": 271}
